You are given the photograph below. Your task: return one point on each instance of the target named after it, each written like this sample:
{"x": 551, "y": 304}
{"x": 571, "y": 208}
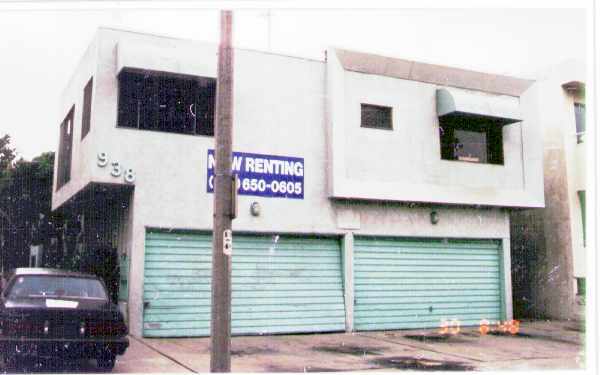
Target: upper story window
{"x": 166, "y": 102}
{"x": 65, "y": 150}
{"x": 375, "y": 116}
{"x": 87, "y": 108}
{"x": 473, "y": 140}
{"x": 580, "y": 121}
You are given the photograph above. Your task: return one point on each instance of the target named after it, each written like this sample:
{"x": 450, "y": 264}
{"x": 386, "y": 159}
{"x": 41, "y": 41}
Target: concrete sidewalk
{"x": 538, "y": 345}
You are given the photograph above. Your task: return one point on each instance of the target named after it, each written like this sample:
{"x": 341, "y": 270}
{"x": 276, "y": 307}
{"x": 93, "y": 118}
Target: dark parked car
{"x": 59, "y": 314}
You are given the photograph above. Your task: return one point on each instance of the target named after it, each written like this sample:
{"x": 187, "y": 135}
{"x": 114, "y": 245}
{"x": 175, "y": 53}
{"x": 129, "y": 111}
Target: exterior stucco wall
{"x": 73, "y": 95}
{"x": 404, "y": 164}
{"x": 560, "y": 136}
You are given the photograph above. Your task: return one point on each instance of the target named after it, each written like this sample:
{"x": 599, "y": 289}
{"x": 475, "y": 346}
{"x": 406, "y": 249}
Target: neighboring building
{"x": 552, "y": 242}
{"x": 374, "y": 192}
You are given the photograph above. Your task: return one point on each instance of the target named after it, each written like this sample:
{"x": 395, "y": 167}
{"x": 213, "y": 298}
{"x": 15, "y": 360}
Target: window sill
{"x": 164, "y": 132}
{"x": 471, "y": 162}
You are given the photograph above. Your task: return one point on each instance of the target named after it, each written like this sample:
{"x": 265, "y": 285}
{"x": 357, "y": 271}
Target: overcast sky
{"x": 39, "y": 49}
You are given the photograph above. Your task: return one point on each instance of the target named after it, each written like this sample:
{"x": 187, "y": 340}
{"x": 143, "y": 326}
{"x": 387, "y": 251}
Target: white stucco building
{"x": 382, "y": 187}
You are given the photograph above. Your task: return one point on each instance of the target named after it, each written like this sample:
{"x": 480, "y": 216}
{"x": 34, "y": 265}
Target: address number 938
{"x": 115, "y": 168}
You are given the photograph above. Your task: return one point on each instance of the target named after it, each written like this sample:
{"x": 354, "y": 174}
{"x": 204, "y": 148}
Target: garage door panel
{"x": 423, "y": 286}
{"x": 289, "y": 299}
{"x": 447, "y": 293}
{"x": 431, "y": 262}
{"x": 331, "y": 309}
{"x": 296, "y": 328}
{"x": 404, "y": 284}
{"x": 178, "y": 257}
{"x": 168, "y": 316}
{"x": 377, "y": 258}
{"x": 188, "y": 324}
{"x": 178, "y": 332}
{"x": 418, "y": 324}
{"x": 175, "y": 280}
{"x": 288, "y": 287}
{"x": 247, "y": 280}
{"x": 179, "y": 250}
{"x": 425, "y": 274}
{"x": 428, "y": 268}
{"x": 283, "y": 266}
{"x": 422, "y": 245}
{"x": 182, "y": 265}
{"x": 330, "y": 260}
{"x": 425, "y": 306}
{"x": 178, "y": 303}
{"x": 279, "y": 284}
{"x": 399, "y": 312}
{"x": 440, "y": 298}
{"x": 315, "y": 280}
{"x": 153, "y": 271}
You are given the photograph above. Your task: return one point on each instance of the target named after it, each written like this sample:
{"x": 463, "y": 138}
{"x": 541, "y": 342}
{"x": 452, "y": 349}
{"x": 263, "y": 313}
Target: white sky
{"x": 40, "y": 48}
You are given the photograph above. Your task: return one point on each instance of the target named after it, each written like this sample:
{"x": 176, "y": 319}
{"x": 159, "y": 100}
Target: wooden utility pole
{"x": 220, "y": 328}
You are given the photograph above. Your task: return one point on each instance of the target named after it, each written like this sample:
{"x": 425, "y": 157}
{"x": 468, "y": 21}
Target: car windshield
{"x": 31, "y": 286}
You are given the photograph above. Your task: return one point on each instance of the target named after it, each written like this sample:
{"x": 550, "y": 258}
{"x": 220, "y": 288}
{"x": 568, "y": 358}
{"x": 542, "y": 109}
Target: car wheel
{"x": 106, "y": 361}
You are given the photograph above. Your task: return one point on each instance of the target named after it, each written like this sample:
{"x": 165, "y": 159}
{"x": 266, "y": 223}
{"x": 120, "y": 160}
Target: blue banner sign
{"x": 263, "y": 175}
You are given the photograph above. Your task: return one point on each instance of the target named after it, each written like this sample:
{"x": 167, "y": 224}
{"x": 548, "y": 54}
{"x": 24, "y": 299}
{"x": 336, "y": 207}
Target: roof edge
{"x": 430, "y": 73}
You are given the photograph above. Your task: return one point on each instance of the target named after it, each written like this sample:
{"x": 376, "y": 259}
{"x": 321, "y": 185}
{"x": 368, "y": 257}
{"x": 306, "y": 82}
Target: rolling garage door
{"x": 279, "y": 284}
{"x": 417, "y": 283}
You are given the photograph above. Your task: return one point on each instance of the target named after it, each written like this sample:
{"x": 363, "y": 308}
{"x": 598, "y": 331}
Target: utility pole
{"x": 220, "y": 328}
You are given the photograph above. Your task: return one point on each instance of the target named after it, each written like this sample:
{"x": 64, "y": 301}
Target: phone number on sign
{"x": 258, "y": 184}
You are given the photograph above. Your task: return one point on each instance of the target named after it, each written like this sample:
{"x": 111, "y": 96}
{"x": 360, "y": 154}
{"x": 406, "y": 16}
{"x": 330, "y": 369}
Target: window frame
{"x": 65, "y": 151}
{"x": 155, "y": 87}
{"x": 493, "y": 132}
{"x": 579, "y": 120}
{"x": 377, "y": 106}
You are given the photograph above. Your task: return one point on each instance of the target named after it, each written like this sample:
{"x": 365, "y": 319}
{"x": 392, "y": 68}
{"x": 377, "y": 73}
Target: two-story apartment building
{"x": 374, "y": 193}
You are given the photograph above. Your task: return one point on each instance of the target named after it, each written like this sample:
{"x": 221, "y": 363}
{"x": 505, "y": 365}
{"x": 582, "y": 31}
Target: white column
{"x": 348, "y": 260}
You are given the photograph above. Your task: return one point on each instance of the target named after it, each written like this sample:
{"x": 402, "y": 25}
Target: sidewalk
{"x": 538, "y": 345}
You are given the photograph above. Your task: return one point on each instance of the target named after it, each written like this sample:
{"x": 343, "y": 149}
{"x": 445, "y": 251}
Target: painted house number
{"x": 116, "y": 170}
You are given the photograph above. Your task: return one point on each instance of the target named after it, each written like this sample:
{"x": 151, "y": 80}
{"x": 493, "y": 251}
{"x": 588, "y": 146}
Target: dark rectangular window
{"x": 65, "y": 150}
{"x": 580, "y": 121}
{"x": 166, "y": 102}
{"x": 470, "y": 139}
{"x": 375, "y": 116}
{"x": 581, "y": 195}
{"x": 87, "y": 108}
{"x": 580, "y": 286}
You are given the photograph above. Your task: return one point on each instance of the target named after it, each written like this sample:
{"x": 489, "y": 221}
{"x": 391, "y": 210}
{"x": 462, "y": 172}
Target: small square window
{"x": 375, "y": 116}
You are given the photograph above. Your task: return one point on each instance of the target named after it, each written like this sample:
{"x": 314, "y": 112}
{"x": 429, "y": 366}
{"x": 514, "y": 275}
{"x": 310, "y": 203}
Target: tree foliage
{"x": 25, "y": 200}
{"x": 7, "y": 154}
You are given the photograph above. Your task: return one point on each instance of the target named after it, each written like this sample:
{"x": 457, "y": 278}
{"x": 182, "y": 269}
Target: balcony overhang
{"x": 458, "y": 103}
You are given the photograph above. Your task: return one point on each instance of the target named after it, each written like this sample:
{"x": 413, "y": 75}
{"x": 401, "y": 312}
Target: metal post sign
{"x": 263, "y": 175}
{"x": 227, "y": 242}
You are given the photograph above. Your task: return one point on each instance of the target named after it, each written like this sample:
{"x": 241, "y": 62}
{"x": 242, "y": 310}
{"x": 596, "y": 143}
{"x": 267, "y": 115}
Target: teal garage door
{"x": 418, "y": 283}
{"x": 280, "y": 284}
